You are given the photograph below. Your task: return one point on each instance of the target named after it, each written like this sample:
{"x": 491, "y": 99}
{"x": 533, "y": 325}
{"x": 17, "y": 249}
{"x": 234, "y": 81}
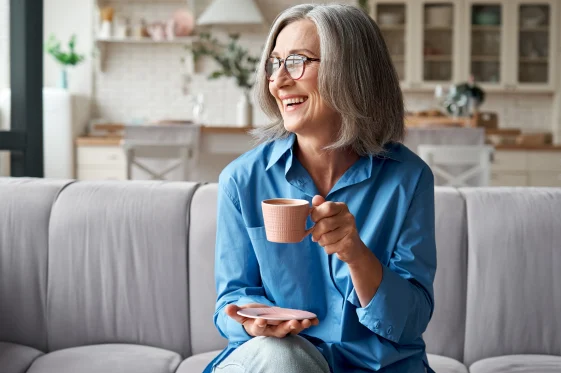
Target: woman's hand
{"x": 259, "y": 327}
{"x": 336, "y": 231}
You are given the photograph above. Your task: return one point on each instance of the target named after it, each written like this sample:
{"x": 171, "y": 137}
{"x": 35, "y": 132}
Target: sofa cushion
{"x": 197, "y": 363}
{"x": 202, "y": 293}
{"x": 118, "y": 265}
{"x": 120, "y": 358}
{"x": 16, "y": 358}
{"x": 518, "y": 364}
{"x": 443, "y": 364}
{"x": 25, "y": 209}
{"x": 445, "y": 333}
{"x": 514, "y": 272}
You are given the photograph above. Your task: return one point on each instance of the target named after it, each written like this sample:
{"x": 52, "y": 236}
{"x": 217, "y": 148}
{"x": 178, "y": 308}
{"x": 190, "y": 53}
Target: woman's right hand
{"x": 260, "y": 327}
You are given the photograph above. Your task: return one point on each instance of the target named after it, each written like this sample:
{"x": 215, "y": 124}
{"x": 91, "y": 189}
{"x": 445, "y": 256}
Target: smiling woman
{"x": 365, "y": 273}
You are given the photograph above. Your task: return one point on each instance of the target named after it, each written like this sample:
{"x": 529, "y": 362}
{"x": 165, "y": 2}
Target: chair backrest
{"x": 163, "y": 148}
{"x": 458, "y": 165}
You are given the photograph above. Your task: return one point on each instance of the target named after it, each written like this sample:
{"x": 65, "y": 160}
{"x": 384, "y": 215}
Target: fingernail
{"x": 292, "y": 327}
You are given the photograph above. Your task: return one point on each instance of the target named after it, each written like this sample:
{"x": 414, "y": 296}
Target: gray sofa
{"x": 118, "y": 277}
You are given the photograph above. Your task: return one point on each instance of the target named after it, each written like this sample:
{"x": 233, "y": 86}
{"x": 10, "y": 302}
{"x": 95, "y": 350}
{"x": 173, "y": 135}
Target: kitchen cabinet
{"x": 507, "y": 45}
{"x": 536, "y": 168}
{"x": 106, "y": 162}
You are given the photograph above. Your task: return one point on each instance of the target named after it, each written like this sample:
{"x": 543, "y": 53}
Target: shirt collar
{"x": 392, "y": 151}
{"x": 280, "y": 147}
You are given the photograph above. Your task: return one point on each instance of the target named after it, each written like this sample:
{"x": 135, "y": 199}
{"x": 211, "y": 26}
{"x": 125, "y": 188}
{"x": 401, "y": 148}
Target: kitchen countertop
{"x": 515, "y": 147}
{"x": 116, "y": 140}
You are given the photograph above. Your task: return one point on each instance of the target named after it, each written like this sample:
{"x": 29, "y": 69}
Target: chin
{"x": 295, "y": 126}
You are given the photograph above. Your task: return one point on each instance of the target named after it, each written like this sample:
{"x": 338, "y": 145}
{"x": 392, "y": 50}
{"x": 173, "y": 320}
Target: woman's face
{"x": 313, "y": 113}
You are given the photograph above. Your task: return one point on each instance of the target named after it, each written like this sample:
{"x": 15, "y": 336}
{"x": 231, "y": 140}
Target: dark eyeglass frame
{"x": 282, "y": 64}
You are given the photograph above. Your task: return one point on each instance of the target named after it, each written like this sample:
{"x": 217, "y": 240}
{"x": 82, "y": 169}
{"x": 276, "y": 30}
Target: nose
{"x": 282, "y": 78}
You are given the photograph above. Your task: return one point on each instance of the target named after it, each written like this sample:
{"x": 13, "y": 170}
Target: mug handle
{"x": 310, "y": 230}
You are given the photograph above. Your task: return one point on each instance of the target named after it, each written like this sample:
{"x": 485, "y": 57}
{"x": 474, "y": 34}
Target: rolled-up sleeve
{"x": 404, "y": 302}
{"x": 236, "y": 267}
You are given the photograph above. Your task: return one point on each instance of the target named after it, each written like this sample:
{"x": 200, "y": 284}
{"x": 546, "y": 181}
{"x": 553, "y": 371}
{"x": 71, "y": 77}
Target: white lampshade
{"x": 231, "y": 12}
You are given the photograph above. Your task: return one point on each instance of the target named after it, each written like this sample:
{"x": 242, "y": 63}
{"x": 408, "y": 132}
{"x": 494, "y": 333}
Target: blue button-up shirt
{"x": 392, "y": 199}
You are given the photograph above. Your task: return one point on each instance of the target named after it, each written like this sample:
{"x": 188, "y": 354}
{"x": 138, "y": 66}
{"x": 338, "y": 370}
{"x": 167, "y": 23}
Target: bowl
{"x": 388, "y": 19}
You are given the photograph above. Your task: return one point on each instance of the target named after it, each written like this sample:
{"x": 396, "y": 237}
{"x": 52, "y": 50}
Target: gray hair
{"x": 366, "y": 93}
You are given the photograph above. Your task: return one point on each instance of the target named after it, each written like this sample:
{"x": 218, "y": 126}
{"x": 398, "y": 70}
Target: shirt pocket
{"x": 291, "y": 272}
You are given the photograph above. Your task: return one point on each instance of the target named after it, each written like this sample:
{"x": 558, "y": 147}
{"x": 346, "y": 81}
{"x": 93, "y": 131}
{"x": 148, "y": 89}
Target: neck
{"x": 324, "y": 167}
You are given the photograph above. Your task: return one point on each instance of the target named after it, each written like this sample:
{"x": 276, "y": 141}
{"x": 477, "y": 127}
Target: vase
{"x": 63, "y": 79}
{"x": 244, "y": 111}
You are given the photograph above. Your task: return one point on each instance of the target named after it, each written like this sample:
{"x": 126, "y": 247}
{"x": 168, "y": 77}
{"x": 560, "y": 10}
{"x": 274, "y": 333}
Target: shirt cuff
{"x": 387, "y": 312}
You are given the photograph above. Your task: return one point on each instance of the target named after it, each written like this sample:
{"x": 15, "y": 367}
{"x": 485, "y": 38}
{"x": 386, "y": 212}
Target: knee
{"x": 291, "y": 351}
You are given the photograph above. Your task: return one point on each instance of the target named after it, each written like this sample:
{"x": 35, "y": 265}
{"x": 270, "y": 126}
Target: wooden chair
{"x": 178, "y": 144}
{"x": 458, "y": 165}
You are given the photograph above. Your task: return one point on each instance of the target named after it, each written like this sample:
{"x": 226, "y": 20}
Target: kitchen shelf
{"x": 438, "y": 58}
{"x": 480, "y": 58}
{"x": 438, "y": 28}
{"x": 484, "y": 28}
{"x": 182, "y": 40}
{"x": 102, "y": 44}
{"x": 533, "y": 60}
{"x": 392, "y": 27}
{"x": 535, "y": 29}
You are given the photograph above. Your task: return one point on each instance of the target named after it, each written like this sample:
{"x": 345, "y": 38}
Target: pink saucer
{"x": 276, "y": 313}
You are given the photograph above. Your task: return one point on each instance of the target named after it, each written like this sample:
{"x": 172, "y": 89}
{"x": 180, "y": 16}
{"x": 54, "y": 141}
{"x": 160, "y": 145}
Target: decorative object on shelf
{"x": 184, "y": 22}
{"x": 65, "y": 59}
{"x": 231, "y": 12}
{"x": 235, "y": 62}
{"x": 363, "y": 4}
{"x": 464, "y": 99}
{"x": 122, "y": 27}
{"x": 105, "y": 29}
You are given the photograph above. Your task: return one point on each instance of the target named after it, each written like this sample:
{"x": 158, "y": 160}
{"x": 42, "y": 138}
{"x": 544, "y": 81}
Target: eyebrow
{"x": 293, "y": 51}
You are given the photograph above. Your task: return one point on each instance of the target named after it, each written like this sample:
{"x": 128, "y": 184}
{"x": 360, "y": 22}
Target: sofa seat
{"x": 440, "y": 364}
{"x": 197, "y": 363}
{"x": 122, "y": 358}
{"x": 16, "y": 358}
{"x": 518, "y": 364}
{"x": 443, "y": 364}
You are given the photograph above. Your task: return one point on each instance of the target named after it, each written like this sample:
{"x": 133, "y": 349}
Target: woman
{"x": 367, "y": 270}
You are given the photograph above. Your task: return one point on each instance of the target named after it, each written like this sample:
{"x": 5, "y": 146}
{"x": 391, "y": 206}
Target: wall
{"x": 145, "y": 82}
{"x": 4, "y": 44}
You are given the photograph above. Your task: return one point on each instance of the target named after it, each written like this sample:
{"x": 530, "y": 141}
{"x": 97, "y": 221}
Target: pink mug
{"x": 285, "y": 219}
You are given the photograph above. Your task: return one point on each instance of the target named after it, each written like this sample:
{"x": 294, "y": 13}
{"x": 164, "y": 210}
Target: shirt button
{"x": 376, "y": 324}
{"x": 390, "y": 330}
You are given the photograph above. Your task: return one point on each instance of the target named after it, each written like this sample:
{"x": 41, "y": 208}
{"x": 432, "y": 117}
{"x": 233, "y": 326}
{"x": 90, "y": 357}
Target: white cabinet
{"x": 535, "y": 168}
{"x": 101, "y": 163}
{"x": 508, "y": 45}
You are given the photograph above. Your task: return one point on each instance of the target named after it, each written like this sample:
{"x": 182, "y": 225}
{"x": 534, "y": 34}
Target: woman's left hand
{"x": 335, "y": 230}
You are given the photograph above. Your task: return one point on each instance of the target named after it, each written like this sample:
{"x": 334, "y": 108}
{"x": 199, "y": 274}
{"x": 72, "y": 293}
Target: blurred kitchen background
{"x": 127, "y": 93}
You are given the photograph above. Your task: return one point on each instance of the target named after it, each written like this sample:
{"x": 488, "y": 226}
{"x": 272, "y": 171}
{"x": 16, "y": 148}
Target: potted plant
{"x": 65, "y": 59}
{"x": 235, "y": 62}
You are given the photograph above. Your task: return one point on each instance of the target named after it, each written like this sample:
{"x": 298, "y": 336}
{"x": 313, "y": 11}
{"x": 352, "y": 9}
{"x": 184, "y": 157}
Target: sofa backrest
{"x": 514, "y": 272}
{"x": 25, "y": 209}
{"x": 117, "y": 266}
{"x": 445, "y": 333}
{"x": 202, "y": 291}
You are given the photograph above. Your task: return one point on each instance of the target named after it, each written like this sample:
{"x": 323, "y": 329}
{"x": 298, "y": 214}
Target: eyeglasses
{"x": 294, "y": 65}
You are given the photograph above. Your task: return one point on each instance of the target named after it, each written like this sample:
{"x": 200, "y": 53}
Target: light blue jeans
{"x": 292, "y": 354}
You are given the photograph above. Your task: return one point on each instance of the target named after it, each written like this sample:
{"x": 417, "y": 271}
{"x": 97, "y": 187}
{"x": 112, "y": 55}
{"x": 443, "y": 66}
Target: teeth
{"x": 295, "y": 100}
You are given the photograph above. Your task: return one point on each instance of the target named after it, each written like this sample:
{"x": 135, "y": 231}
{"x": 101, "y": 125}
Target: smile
{"x": 293, "y": 103}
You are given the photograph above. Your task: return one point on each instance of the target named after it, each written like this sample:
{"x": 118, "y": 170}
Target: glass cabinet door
{"x": 486, "y": 41}
{"x": 391, "y": 17}
{"x": 534, "y": 33}
{"x": 439, "y": 28}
